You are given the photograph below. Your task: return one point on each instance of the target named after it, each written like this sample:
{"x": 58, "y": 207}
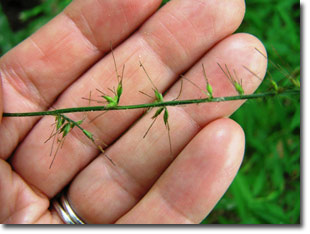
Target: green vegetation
{"x": 32, "y": 18}
{"x": 267, "y": 187}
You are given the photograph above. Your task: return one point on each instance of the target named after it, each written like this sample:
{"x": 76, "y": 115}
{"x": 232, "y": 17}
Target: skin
{"x": 70, "y": 56}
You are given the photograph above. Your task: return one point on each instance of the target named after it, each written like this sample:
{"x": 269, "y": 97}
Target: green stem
{"x": 152, "y": 105}
{"x": 73, "y": 122}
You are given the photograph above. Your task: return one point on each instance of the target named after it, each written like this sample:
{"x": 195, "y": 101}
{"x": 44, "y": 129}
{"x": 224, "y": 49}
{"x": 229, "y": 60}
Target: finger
{"x": 77, "y": 151}
{"x": 196, "y": 180}
{"x": 239, "y": 54}
{"x": 140, "y": 161}
{"x": 19, "y": 203}
{"x": 40, "y": 68}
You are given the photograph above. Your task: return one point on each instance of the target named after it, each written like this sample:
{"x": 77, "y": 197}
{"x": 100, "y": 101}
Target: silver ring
{"x": 65, "y": 211}
{"x": 66, "y": 205}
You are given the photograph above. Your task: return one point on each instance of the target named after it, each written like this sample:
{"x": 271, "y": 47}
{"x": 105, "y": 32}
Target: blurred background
{"x": 267, "y": 187}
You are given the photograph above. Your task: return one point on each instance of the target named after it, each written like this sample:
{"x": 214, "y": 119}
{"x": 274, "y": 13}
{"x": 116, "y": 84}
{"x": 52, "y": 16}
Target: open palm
{"x": 69, "y": 57}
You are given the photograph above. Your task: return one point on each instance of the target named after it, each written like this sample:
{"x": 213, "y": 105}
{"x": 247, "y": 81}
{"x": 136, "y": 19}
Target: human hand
{"x": 67, "y": 58}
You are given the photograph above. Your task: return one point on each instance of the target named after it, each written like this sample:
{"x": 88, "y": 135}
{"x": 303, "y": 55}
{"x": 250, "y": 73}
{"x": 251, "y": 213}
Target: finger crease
{"x": 93, "y": 45}
{"x": 176, "y": 209}
{"x": 135, "y": 195}
{"x": 23, "y": 86}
